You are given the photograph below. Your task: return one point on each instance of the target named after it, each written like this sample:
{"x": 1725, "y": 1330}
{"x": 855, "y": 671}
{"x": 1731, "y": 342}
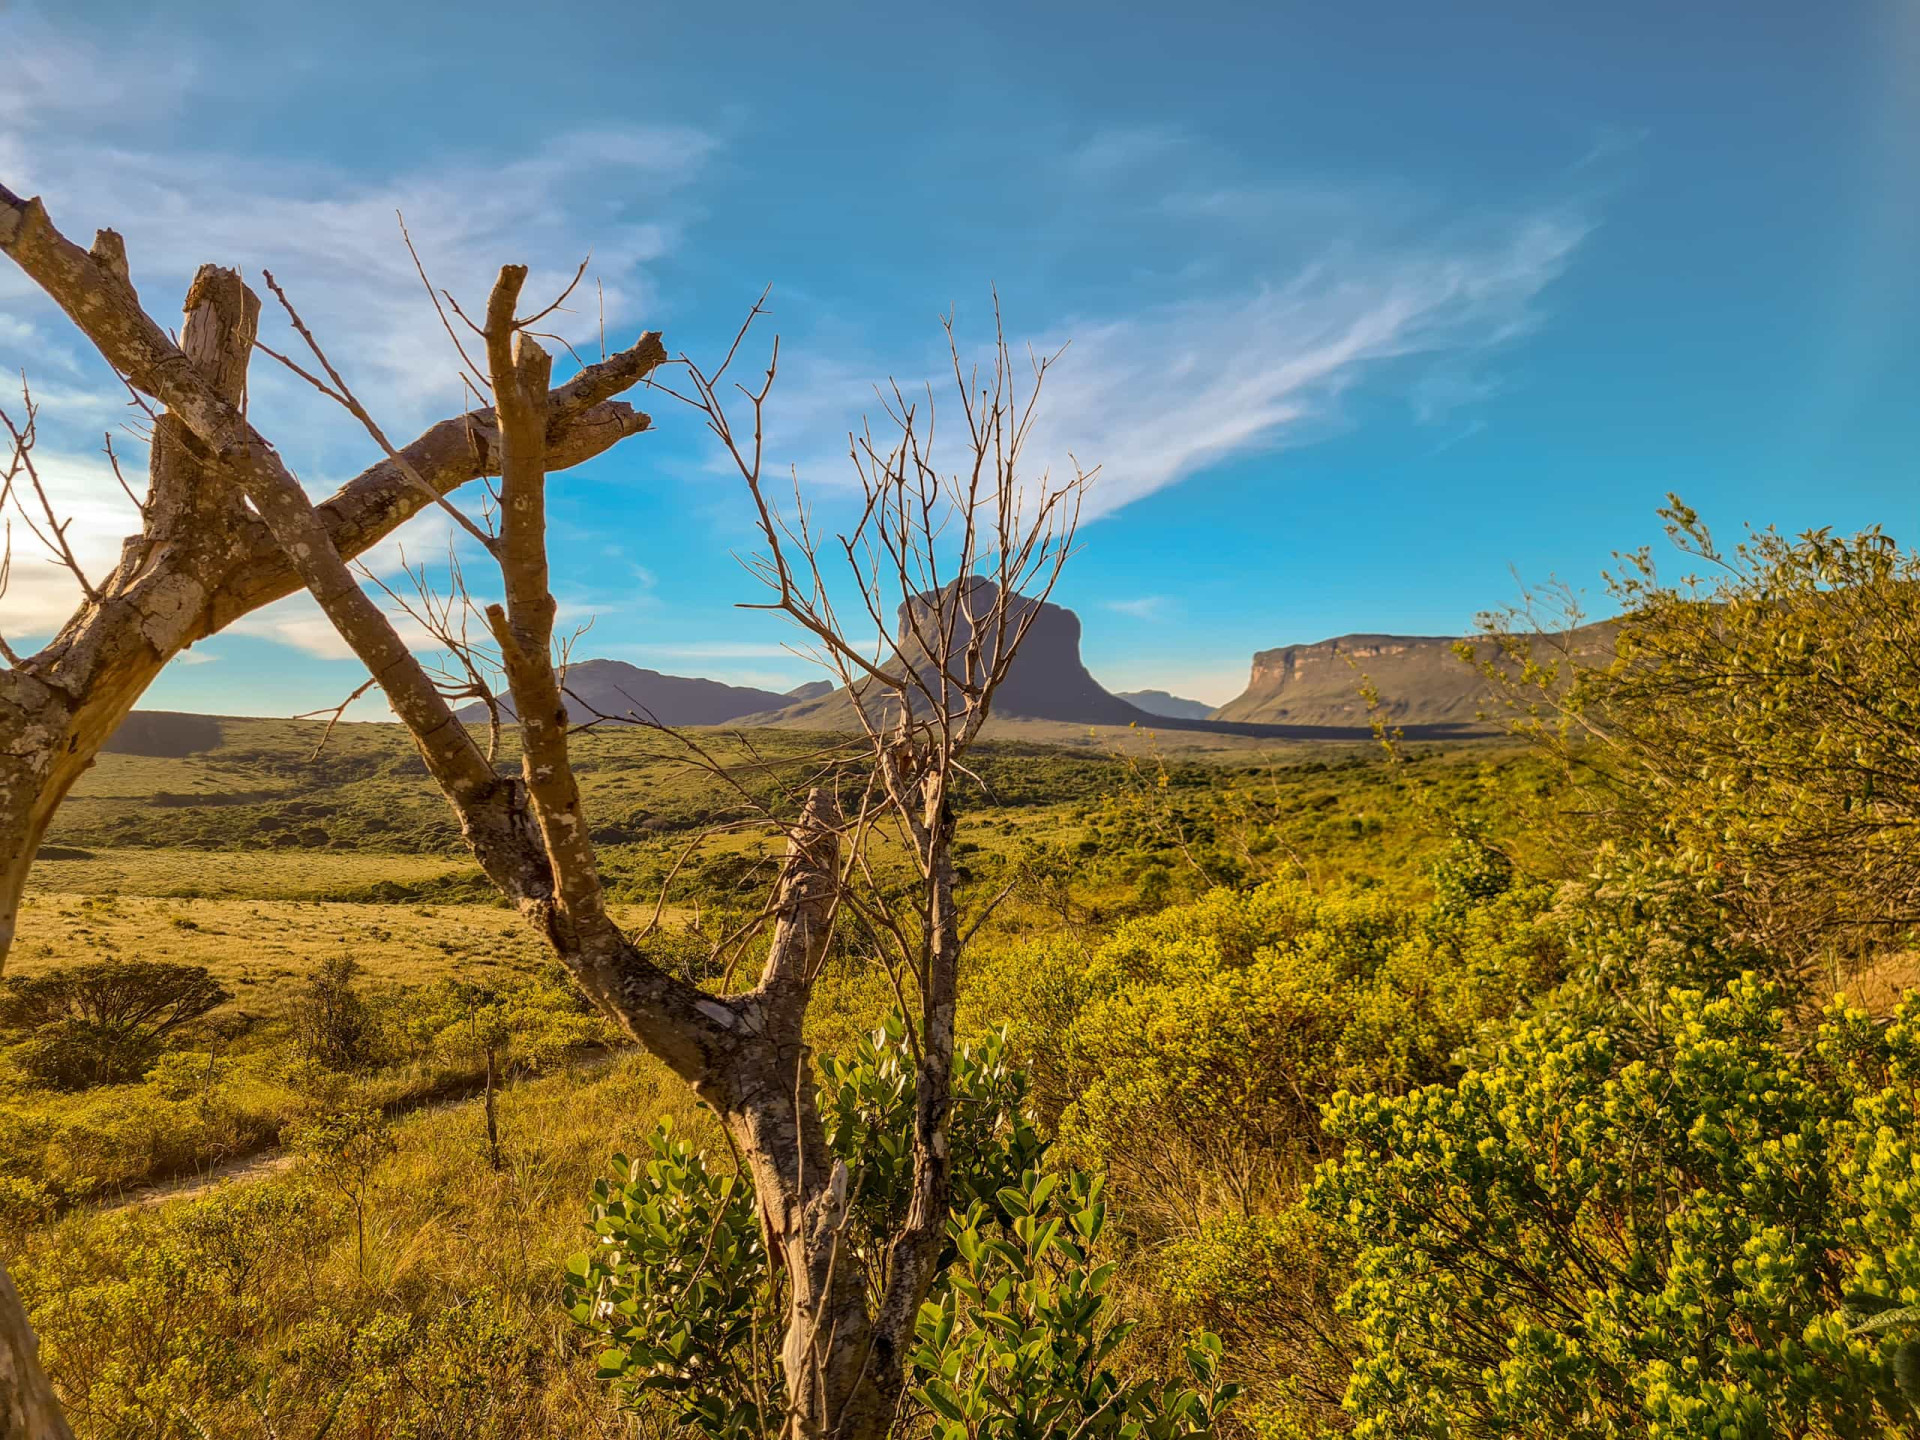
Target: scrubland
{"x": 1495, "y": 1089}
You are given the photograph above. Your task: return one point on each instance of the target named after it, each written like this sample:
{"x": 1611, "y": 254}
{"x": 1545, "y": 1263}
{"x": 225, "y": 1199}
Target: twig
{"x": 114, "y": 461}
{"x": 333, "y": 713}
{"x": 346, "y": 398}
{"x": 472, "y": 372}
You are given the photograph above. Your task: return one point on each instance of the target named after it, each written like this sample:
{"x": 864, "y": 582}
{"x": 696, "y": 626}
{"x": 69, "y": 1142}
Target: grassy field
{"x": 234, "y": 874}
{"x": 262, "y": 862}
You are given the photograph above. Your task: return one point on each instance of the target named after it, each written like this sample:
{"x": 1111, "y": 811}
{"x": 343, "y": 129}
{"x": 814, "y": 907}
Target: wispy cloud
{"x": 330, "y": 235}
{"x": 1145, "y": 607}
{"x": 334, "y": 242}
{"x": 1612, "y": 142}
{"x": 332, "y": 239}
{"x": 1153, "y": 397}
{"x": 1116, "y": 151}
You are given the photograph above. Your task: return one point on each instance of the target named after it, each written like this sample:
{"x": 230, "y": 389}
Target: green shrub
{"x": 103, "y": 1022}
{"x": 1205, "y": 1037}
{"x": 1269, "y": 1286}
{"x": 679, "y": 1292}
{"x": 332, "y": 1021}
{"x": 1018, "y": 1341}
{"x": 1575, "y": 1243}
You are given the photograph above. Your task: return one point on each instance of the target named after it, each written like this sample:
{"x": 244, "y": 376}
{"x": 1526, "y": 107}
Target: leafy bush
{"x": 1571, "y": 1243}
{"x": 866, "y": 1106}
{"x": 679, "y": 1290}
{"x": 1019, "y": 1340}
{"x": 104, "y": 1022}
{"x": 1269, "y": 1286}
{"x": 680, "y": 1293}
{"x": 1471, "y": 871}
{"x": 1755, "y": 718}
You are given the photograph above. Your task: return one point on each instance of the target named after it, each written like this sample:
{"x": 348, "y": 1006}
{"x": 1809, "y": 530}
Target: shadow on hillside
{"x": 164, "y": 733}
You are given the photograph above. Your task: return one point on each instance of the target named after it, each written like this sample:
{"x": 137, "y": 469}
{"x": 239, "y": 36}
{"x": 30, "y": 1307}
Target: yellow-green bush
{"x": 1713, "y": 1241}
{"x": 1196, "y": 1045}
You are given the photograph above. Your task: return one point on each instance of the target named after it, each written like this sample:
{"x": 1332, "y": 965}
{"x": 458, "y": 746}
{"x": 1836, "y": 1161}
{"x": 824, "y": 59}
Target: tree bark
{"x": 28, "y": 1410}
{"x": 766, "y": 1095}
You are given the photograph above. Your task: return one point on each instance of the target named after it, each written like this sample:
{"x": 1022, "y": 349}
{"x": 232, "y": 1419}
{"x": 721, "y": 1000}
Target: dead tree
{"x": 849, "y": 1328}
{"x": 960, "y": 556}
{"x": 217, "y": 537}
{"x": 202, "y": 559}
{"x": 849, "y": 1318}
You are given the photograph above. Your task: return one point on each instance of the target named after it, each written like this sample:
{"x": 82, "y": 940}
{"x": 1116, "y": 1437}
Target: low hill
{"x": 621, "y": 691}
{"x": 1173, "y": 707}
{"x": 164, "y": 733}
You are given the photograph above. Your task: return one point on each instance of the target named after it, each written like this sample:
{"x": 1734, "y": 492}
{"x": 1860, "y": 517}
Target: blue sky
{"x": 1370, "y": 305}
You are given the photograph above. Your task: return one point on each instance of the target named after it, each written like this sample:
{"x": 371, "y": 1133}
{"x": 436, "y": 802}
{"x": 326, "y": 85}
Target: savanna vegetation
{"x": 1371, "y": 1091}
{"x": 431, "y": 1081}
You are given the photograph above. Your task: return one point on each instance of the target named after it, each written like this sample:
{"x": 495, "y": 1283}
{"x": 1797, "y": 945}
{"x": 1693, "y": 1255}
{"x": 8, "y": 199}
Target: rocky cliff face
{"x": 1319, "y": 684}
{"x": 1048, "y": 680}
{"x": 1421, "y": 680}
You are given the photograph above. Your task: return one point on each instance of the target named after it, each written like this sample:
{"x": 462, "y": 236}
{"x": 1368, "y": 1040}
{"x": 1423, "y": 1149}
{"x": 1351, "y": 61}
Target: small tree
{"x": 347, "y": 1150}
{"x": 331, "y": 1016}
{"x": 104, "y": 1022}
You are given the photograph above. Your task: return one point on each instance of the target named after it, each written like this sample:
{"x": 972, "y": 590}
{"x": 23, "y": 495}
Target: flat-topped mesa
{"x": 1421, "y": 680}
{"x": 1048, "y": 679}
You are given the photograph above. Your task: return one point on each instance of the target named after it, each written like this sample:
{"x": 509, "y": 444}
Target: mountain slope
{"x": 617, "y": 689}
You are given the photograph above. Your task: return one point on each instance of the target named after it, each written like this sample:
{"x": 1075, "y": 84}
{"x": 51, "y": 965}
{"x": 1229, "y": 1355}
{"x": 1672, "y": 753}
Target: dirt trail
{"x": 188, "y": 1187}
{"x": 259, "y": 1164}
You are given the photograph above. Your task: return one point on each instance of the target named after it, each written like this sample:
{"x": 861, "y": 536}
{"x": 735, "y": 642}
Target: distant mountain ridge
{"x": 1173, "y": 707}
{"x": 628, "y": 693}
{"x": 1436, "y": 696}
{"x": 1309, "y": 691}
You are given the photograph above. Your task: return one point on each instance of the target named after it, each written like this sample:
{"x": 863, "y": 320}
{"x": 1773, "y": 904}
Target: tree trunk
{"x": 28, "y": 1410}
{"x": 493, "y": 1123}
